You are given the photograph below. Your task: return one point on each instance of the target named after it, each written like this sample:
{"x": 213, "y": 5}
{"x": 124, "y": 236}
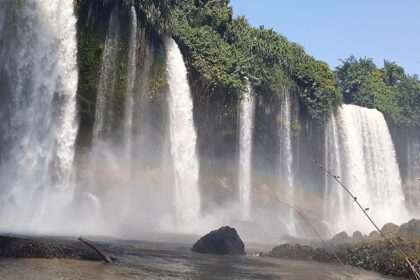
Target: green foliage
{"x": 216, "y": 61}
{"x": 355, "y": 78}
{"x": 408, "y": 100}
{"x": 215, "y": 14}
{"x": 226, "y": 51}
{"x": 388, "y": 89}
{"x": 198, "y": 28}
{"x": 318, "y": 86}
{"x": 393, "y": 74}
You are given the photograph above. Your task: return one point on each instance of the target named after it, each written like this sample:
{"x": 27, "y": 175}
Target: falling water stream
{"x": 246, "y": 125}
{"x": 286, "y": 160}
{"x": 362, "y": 154}
{"x": 131, "y": 79}
{"x": 334, "y": 196}
{"x": 104, "y": 114}
{"x": 38, "y": 76}
{"x": 182, "y": 138}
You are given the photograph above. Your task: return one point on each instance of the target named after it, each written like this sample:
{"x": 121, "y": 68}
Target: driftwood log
{"x": 103, "y": 255}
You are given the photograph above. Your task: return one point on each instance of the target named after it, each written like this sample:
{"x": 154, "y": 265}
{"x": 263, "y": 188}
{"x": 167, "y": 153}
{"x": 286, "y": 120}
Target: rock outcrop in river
{"x": 224, "y": 241}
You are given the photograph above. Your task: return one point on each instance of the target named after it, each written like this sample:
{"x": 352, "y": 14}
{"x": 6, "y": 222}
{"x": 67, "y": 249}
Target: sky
{"x": 331, "y": 30}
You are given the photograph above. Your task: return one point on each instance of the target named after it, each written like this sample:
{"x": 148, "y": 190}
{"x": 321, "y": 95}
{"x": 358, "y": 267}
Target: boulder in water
{"x": 224, "y": 241}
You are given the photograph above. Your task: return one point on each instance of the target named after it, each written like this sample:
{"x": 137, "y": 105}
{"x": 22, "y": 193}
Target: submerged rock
{"x": 224, "y": 241}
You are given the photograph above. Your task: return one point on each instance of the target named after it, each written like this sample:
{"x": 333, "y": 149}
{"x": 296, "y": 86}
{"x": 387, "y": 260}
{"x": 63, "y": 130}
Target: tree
{"x": 387, "y": 89}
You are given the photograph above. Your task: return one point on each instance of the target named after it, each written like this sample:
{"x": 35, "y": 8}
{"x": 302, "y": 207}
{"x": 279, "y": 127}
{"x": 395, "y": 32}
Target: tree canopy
{"x": 388, "y": 89}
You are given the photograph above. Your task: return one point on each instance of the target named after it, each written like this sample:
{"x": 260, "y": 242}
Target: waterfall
{"x": 334, "y": 196}
{"x": 104, "y": 114}
{"x": 38, "y": 81}
{"x": 367, "y": 165}
{"x": 246, "y": 125}
{"x": 108, "y": 179}
{"x": 286, "y": 158}
{"x": 131, "y": 78}
{"x": 182, "y": 137}
{"x": 412, "y": 182}
{"x": 413, "y": 154}
{"x": 124, "y": 174}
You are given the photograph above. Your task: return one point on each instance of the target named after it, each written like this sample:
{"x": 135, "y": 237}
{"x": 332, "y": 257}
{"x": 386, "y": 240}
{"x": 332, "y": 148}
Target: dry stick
{"x": 319, "y": 236}
{"x": 409, "y": 260}
{"x": 104, "y": 256}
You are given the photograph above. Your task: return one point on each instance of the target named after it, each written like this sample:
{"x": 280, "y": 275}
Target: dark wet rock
{"x": 23, "y": 247}
{"x": 224, "y": 241}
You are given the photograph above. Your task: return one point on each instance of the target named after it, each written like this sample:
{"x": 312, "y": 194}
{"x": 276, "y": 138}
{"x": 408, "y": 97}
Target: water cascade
{"x": 131, "y": 79}
{"x": 246, "y": 125}
{"x": 412, "y": 183}
{"x": 363, "y": 155}
{"x": 334, "y": 195}
{"x": 108, "y": 157}
{"x": 182, "y": 138}
{"x": 104, "y": 114}
{"x": 124, "y": 174}
{"x": 38, "y": 82}
{"x": 286, "y": 159}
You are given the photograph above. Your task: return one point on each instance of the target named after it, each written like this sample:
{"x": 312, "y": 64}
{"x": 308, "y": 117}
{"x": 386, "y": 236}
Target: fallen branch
{"x": 103, "y": 255}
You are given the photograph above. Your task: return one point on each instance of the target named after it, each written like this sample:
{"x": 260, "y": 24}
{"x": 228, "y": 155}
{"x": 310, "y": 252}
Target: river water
{"x": 136, "y": 260}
